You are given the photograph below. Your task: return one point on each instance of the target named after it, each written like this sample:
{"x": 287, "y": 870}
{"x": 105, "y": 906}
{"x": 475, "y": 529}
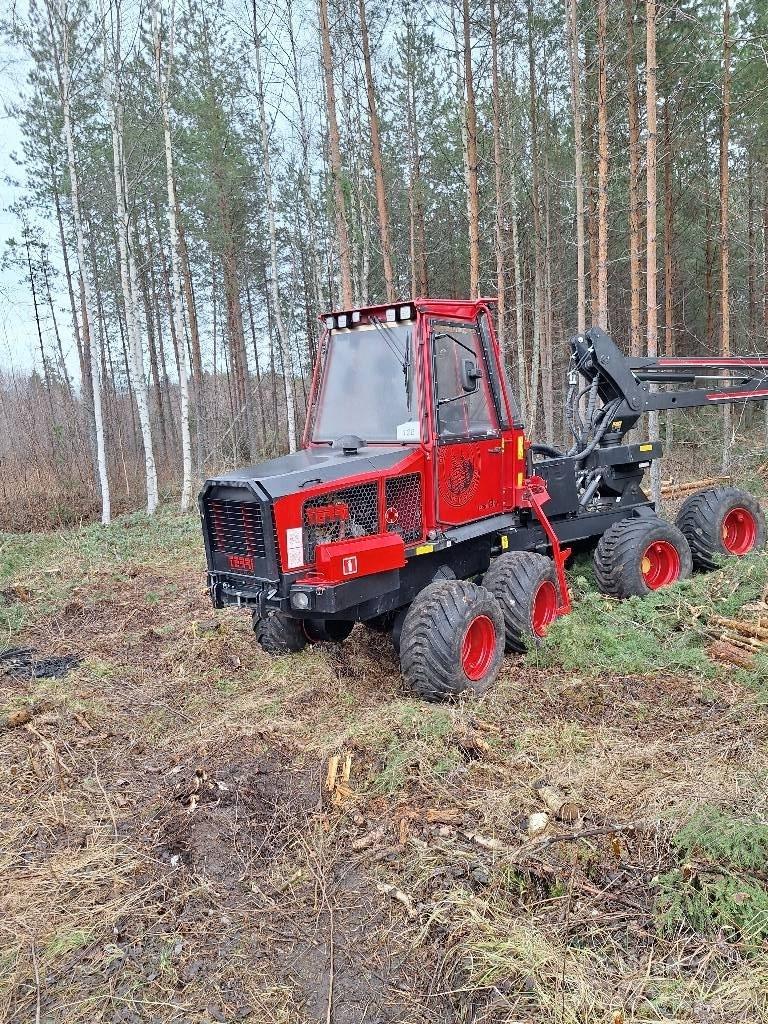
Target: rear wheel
{"x": 280, "y": 634}
{"x": 525, "y": 585}
{"x": 637, "y": 556}
{"x": 719, "y": 522}
{"x": 452, "y": 640}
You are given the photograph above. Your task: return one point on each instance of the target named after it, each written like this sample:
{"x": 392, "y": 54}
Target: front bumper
{"x": 322, "y": 600}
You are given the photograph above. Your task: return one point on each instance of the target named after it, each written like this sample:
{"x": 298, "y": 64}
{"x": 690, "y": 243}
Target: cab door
{"x": 469, "y": 450}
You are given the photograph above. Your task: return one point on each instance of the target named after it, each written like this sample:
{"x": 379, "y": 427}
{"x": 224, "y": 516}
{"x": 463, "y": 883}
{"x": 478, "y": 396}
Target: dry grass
{"x": 170, "y": 853}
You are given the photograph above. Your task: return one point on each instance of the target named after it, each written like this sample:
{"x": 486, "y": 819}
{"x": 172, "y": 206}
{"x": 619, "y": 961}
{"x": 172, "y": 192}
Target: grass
{"x": 664, "y": 632}
{"x": 170, "y": 853}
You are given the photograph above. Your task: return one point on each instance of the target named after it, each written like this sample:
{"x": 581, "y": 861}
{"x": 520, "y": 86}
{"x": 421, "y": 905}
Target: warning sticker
{"x": 294, "y": 543}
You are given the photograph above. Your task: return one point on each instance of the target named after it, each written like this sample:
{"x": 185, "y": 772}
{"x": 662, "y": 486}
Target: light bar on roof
{"x": 391, "y": 316}
{"x": 405, "y": 313}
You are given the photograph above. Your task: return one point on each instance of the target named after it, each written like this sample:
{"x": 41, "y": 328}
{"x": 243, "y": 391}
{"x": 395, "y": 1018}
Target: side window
{"x": 463, "y": 397}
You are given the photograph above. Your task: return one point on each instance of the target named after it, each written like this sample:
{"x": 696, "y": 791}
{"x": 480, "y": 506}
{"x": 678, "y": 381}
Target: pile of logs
{"x": 737, "y": 641}
{"x": 669, "y": 489}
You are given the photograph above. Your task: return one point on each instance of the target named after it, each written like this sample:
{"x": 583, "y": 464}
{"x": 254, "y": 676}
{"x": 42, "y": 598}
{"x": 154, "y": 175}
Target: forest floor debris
{"x": 195, "y": 832}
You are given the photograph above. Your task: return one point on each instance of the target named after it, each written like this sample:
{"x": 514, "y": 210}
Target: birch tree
{"x": 111, "y": 25}
{"x": 164, "y": 69}
{"x": 266, "y": 164}
{"x": 62, "y": 30}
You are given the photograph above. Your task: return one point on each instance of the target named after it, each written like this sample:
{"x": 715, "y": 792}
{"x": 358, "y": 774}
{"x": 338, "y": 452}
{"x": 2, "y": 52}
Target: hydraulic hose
{"x": 546, "y": 449}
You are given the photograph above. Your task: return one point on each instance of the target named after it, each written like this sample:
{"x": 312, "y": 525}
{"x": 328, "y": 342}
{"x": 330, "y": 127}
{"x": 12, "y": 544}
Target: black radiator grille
{"x": 236, "y": 528}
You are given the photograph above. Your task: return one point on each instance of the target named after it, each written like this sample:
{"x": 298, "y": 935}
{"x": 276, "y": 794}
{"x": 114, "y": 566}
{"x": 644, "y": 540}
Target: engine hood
{"x": 290, "y": 474}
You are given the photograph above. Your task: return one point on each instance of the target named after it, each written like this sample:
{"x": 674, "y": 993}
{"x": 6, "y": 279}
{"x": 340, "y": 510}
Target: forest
{"x": 196, "y": 183}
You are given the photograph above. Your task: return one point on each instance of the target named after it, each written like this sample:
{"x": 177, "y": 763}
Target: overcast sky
{"x": 17, "y": 326}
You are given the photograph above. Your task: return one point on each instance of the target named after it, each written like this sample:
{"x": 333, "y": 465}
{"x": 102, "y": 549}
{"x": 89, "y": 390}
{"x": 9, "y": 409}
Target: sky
{"x": 18, "y": 333}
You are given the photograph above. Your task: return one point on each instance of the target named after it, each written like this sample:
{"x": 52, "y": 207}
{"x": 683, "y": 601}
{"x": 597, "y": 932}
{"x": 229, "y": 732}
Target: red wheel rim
{"x": 739, "y": 531}
{"x": 544, "y": 608}
{"x": 660, "y": 564}
{"x": 478, "y": 647}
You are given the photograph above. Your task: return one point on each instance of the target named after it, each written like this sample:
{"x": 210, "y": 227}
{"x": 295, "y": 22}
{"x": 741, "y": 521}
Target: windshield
{"x": 368, "y": 385}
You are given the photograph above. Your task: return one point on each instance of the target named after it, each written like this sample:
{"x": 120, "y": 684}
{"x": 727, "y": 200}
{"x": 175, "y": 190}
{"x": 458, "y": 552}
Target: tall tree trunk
{"x": 765, "y": 277}
{"x": 378, "y": 167}
{"x": 306, "y": 175}
{"x": 282, "y": 334}
{"x": 635, "y": 220}
{"x": 89, "y": 331}
{"x": 334, "y": 146}
{"x": 751, "y": 252}
{"x": 418, "y": 245}
{"x": 578, "y": 152}
{"x": 709, "y": 267}
{"x": 669, "y": 306}
{"x": 652, "y": 312}
{"x": 591, "y": 175}
{"x": 602, "y": 165}
{"x": 257, "y": 362}
{"x": 538, "y": 273}
{"x": 498, "y": 180}
{"x": 127, "y": 276}
{"x": 473, "y": 198}
{"x": 725, "y": 307}
{"x": 177, "y": 319}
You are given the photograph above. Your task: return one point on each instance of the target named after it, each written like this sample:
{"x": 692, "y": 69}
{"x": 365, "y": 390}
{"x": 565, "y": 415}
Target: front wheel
{"x": 452, "y": 640}
{"x": 279, "y": 634}
{"x": 719, "y": 522}
{"x": 637, "y": 556}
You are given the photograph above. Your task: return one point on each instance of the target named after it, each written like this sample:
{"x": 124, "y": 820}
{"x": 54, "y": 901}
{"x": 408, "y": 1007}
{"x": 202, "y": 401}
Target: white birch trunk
{"x": 282, "y": 335}
{"x": 127, "y": 264}
{"x": 163, "y": 81}
{"x": 93, "y": 354}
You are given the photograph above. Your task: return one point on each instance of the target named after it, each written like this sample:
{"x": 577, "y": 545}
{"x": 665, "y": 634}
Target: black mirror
{"x": 469, "y": 375}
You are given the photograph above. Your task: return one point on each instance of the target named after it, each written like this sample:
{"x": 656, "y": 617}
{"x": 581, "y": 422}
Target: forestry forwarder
{"x": 419, "y": 507}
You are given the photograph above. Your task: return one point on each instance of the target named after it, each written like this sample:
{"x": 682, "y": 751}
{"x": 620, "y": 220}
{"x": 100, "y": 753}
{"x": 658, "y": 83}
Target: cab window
{"x": 462, "y": 395}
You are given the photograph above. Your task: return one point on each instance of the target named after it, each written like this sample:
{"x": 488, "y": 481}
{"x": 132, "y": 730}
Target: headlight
{"x": 300, "y": 600}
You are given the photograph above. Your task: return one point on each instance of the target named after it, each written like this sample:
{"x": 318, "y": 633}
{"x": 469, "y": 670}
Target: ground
{"x": 172, "y": 852}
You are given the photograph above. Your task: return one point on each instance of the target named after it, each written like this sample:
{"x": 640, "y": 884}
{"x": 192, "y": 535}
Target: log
{"x": 721, "y": 650}
{"x": 557, "y": 804}
{"x": 678, "y": 490}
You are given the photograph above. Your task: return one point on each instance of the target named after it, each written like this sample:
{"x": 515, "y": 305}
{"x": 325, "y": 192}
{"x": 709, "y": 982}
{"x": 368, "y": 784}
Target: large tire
{"x": 525, "y": 585}
{"x": 280, "y": 634}
{"x": 637, "y": 556}
{"x": 452, "y": 640}
{"x": 721, "y": 522}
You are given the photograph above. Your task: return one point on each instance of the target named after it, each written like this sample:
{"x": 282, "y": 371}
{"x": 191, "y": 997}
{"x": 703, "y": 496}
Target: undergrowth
{"x": 718, "y": 886}
{"x": 665, "y": 631}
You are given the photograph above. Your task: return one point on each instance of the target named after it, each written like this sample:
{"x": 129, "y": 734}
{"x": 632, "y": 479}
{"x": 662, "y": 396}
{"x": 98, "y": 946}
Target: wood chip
{"x": 400, "y": 896}
{"x": 20, "y": 717}
{"x": 369, "y": 839}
